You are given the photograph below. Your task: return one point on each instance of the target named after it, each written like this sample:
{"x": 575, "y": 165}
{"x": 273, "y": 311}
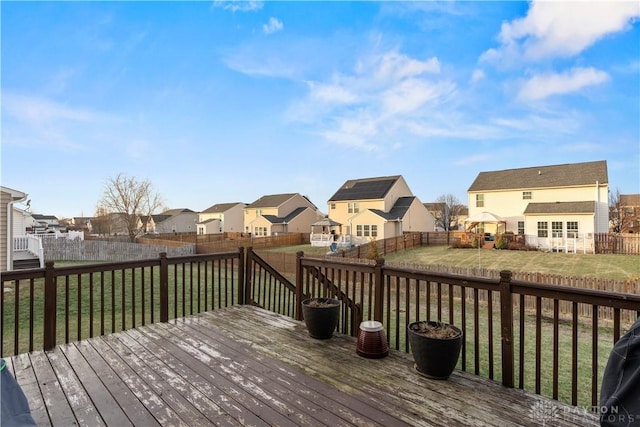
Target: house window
{"x": 261, "y": 231}
{"x": 479, "y": 200}
{"x": 259, "y": 212}
{"x": 353, "y": 207}
{"x": 527, "y": 195}
{"x": 332, "y": 206}
{"x": 359, "y": 230}
{"x": 366, "y": 231}
{"x": 543, "y": 229}
{"x": 572, "y": 229}
{"x": 556, "y": 229}
{"x": 520, "y": 227}
{"x": 374, "y": 231}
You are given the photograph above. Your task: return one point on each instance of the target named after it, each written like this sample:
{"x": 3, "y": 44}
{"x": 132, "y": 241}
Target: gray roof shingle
{"x": 566, "y": 175}
{"x": 587, "y": 207}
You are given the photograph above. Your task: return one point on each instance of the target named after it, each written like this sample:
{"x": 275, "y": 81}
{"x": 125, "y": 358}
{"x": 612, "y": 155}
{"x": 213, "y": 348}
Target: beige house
{"x": 175, "y": 221}
{"x": 375, "y": 208}
{"x": 8, "y": 197}
{"x": 557, "y": 207}
{"x": 221, "y": 218}
{"x": 279, "y": 214}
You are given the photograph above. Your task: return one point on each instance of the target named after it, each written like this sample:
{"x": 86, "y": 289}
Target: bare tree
{"x": 448, "y": 211}
{"x": 615, "y": 212}
{"x": 129, "y": 200}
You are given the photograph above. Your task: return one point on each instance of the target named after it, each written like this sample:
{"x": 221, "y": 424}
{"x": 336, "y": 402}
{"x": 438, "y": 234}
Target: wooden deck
{"x": 247, "y": 366}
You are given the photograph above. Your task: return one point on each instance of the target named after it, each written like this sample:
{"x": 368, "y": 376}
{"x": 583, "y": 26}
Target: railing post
{"x": 248, "y": 278}
{"x": 299, "y": 284}
{"x": 50, "y": 303}
{"x": 164, "y": 287}
{"x": 378, "y": 287}
{"x": 506, "y": 327}
{"x": 242, "y": 288}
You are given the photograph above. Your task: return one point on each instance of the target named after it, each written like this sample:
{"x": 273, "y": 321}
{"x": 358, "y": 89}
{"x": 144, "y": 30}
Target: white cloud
{"x": 542, "y": 86}
{"x": 238, "y": 5}
{"x": 477, "y": 75}
{"x": 374, "y": 104}
{"x": 561, "y": 29}
{"x": 273, "y": 26}
{"x": 37, "y": 110}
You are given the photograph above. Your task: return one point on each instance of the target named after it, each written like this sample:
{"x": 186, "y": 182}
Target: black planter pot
{"x": 435, "y": 357}
{"x": 321, "y": 321}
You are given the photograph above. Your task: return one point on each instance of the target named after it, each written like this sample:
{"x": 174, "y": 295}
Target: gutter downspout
{"x": 10, "y": 230}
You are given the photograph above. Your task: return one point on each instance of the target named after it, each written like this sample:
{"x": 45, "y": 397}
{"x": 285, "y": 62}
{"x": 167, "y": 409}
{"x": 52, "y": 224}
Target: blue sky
{"x": 226, "y": 101}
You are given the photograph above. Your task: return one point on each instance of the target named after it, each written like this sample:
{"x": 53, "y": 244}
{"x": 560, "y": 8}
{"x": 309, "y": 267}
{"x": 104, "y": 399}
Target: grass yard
{"x": 604, "y": 266}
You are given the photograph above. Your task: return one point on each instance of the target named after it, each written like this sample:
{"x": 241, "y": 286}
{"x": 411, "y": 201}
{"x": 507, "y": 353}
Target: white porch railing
{"x": 31, "y": 244}
{"x": 326, "y": 239}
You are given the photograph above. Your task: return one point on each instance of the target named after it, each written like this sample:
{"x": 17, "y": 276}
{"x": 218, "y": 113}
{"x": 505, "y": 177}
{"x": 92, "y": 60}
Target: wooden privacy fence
{"x": 617, "y": 243}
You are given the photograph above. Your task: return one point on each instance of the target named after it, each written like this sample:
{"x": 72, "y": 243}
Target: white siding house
{"x": 556, "y": 207}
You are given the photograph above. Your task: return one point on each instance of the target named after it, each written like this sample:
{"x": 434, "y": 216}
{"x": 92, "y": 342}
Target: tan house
{"x": 175, "y": 221}
{"x": 376, "y": 208}
{"x": 221, "y": 218}
{"x": 557, "y": 207}
{"x": 629, "y": 213}
{"x": 8, "y": 197}
{"x": 279, "y": 214}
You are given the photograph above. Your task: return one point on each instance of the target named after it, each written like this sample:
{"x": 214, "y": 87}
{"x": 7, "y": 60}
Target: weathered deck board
{"x": 247, "y": 366}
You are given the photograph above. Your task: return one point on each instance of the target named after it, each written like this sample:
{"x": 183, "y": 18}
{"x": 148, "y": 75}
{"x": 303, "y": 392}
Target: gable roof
{"x": 221, "y": 207}
{"x": 178, "y": 211}
{"x": 271, "y": 201}
{"x": 587, "y": 207}
{"x": 365, "y": 189}
{"x": 398, "y": 210}
{"x": 573, "y": 174}
{"x": 281, "y": 220}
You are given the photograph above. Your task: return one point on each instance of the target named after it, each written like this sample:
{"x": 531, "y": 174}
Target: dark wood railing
{"x": 539, "y": 349}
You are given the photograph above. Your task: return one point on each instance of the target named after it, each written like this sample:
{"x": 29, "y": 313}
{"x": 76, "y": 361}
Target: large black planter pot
{"x": 435, "y": 357}
{"x": 321, "y": 321}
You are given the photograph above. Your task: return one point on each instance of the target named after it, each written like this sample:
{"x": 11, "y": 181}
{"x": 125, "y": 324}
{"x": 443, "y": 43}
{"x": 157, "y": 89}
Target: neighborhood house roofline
{"x": 365, "y": 189}
{"x": 566, "y": 175}
{"x": 398, "y": 211}
{"x": 283, "y": 220}
{"x": 588, "y": 207}
{"x": 271, "y": 201}
{"x": 221, "y": 207}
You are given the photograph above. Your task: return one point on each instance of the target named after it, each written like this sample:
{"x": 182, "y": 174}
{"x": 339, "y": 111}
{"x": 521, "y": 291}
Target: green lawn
{"x": 605, "y": 266}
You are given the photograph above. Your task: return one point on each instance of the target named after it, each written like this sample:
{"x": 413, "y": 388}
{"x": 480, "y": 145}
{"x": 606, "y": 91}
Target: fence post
{"x": 164, "y": 287}
{"x": 378, "y": 287}
{"x": 506, "y": 327}
{"x": 242, "y": 285}
{"x": 299, "y": 283}
{"x": 50, "y": 303}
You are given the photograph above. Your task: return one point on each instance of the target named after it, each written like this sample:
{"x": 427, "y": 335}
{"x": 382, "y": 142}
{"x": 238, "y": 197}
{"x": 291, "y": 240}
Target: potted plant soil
{"x": 435, "y": 347}
{"x": 321, "y": 316}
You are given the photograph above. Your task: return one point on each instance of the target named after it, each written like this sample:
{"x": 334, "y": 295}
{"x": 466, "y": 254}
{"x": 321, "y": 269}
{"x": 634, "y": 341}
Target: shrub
{"x": 501, "y": 243}
{"x": 373, "y": 252}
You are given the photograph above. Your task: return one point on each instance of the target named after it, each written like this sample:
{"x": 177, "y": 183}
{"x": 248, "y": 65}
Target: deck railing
{"x": 42, "y": 307}
{"x": 540, "y": 349}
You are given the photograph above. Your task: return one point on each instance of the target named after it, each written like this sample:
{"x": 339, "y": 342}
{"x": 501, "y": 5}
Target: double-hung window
{"x": 543, "y": 229}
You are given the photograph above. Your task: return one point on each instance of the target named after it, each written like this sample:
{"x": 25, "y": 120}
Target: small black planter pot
{"x": 435, "y": 357}
{"x": 322, "y": 320}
